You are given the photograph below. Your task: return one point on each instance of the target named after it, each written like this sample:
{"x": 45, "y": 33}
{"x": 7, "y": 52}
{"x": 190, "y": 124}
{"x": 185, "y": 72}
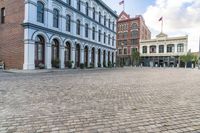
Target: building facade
{"x": 43, "y": 32}
{"x": 129, "y": 33}
{"x": 163, "y": 51}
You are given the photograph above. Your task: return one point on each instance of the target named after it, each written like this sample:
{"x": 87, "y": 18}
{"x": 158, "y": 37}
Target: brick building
{"x": 51, "y": 33}
{"x": 129, "y": 33}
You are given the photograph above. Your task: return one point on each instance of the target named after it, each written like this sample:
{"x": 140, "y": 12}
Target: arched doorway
{"x": 39, "y": 51}
{"x": 67, "y": 54}
{"x": 55, "y": 53}
{"x": 104, "y": 58}
{"x": 112, "y": 57}
{"x": 108, "y": 56}
{"x": 77, "y": 55}
{"x": 86, "y": 56}
{"x": 93, "y": 56}
{"x": 99, "y": 58}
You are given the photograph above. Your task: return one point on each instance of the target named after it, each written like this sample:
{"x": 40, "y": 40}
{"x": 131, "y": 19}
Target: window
{"x": 55, "y": 18}
{"x": 105, "y": 20}
{"x": 104, "y": 39}
{"x": 134, "y": 41}
{"x": 79, "y": 5}
{"x": 134, "y": 34}
{"x": 125, "y": 51}
{"x": 93, "y": 33}
{"x": 170, "y": 48}
{"x": 94, "y": 13}
{"x": 99, "y": 35}
{"x": 125, "y": 35}
{"x": 109, "y": 23}
{"x": 99, "y": 17}
{"x": 180, "y": 48}
{"x": 3, "y": 14}
{"x": 109, "y": 39}
{"x": 113, "y": 26}
{"x": 86, "y": 30}
{"x": 144, "y": 49}
{"x": 134, "y": 26}
{"x": 152, "y": 49}
{"x": 161, "y": 48}
{"x": 68, "y": 23}
{"x": 113, "y": 41}
{"x": 86, "y": 9}
{"x": 39, "y": 51}
{"x": 120, "y": 51}
{"x": 78, "y": 27}
{"x": 68, "y": 2}
{"x": 40, "y": 12}
{"x": 55, "y": 50}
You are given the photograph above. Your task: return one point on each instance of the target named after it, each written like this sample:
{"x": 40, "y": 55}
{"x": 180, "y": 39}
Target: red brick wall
{"x": 12, "y": 34}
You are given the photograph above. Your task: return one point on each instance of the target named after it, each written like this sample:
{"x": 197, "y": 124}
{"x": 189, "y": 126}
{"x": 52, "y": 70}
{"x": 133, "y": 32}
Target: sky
{"x": 180, "y": 17}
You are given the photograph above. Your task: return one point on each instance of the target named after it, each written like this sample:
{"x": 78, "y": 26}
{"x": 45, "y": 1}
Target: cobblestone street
{"x": 140, "y": 100}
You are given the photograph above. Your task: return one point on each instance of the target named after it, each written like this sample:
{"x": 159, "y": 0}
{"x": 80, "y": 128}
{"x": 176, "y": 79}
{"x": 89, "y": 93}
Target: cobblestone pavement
{"x": 140, "y": 100}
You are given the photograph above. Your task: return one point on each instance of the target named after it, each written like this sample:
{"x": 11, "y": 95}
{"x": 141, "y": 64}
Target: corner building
{"x": 81, "y": 31}
{"x": 129, "y": 33}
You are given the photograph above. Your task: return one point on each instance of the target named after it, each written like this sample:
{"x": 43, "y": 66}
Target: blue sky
{"x": 181, "y": 17}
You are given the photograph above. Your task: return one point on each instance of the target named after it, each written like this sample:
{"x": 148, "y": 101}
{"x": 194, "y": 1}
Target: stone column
{"x": 106, "y": 58}
{"x": 101, "y": 58}
{"x": 89, "y": 56}
{"x": 29, "y": 55}
{"x": 82, "y": 55}
{"x": 96, "y": 58}
{"x": 48, "y": 56}
{"x": 62, "y": 57}
{"x": 73, "y": 55}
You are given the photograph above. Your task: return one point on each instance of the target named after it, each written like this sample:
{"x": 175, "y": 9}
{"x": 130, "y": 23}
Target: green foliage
{"x": 68, "y": 64}
{"x": 56, "y": 63}
{"x": 99, "y": 64}
{"x": 135, "y": 56}
{"x": 109, "y": 64}
{"x": 82, "y": 65}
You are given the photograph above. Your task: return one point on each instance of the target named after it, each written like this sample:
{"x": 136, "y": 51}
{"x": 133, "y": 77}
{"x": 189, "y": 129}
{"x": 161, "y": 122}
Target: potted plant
{"x": 82, "y": 65}
{"x": 99, "y": 64}
{"x": 91, "y": 65}
{"x": 109, "y": 64}
{"x": 56, "y": 63}
{"x": 68, "y": 64}
{"x": 41, "y": 66}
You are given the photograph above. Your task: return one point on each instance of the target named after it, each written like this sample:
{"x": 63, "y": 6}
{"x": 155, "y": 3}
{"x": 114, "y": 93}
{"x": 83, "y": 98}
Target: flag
{"x": 160, "y": 19}
{"x": 122, "y": 2}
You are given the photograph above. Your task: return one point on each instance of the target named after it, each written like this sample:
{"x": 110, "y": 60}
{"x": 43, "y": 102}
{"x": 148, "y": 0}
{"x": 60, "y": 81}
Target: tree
{"x": 135, "y": 57}
{"x": 187, "y": 58}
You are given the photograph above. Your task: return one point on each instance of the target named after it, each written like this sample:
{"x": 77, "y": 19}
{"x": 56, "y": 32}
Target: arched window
{"x": 78, "y": 27}
{"x": 99, "y": 17}
{"x": 104, "y": 20}
{"x": 55, "y": 18}
{"x": 93, "y": 33}
{"x": 109, "y": 39}
{"x": 153, "y": 49}
{"x": 99, "y": 35}
{"x": 94, "y": 13}
{"x": 104, "y": 37}
{"x": 109, "y": 23}
{"x": 87, "y": 8}
{"x": 40, "y": 12}
{"x": 55, "y": 50}
{"x": 68, "y": 23}
{"x": 79, "y": 5}
{"x": 170, "y": 48}
{"x": 180, "y": 48}
{"x": 86, "y": 30}
{"x": 39, "y": 51}
{"x": 144, "y": 49}
{"x": 113, "y": 39}
{"x": 134, "y": 26}
{"x": 68, "y": 2}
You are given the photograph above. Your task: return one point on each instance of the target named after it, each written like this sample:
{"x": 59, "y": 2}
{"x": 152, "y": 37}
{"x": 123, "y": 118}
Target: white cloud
{"x": 181, "y": 17}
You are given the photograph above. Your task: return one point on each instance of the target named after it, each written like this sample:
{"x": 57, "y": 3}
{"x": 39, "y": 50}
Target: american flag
{"x": 122, "y": 2}
{"x": 160, "y": 19}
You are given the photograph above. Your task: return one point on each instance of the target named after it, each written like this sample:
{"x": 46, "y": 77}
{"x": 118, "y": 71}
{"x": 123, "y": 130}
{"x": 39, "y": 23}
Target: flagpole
{"x": 162, "y": 26}
{"x": 124, "y": 6}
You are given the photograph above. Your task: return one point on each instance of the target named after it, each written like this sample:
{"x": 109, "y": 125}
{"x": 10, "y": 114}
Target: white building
{"x": 81, "y": 31}
{"x": 163, "y": 50}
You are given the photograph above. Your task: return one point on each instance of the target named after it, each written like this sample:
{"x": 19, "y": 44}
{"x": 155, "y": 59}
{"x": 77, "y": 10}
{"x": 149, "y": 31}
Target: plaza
{"x": 122, "y": 100}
